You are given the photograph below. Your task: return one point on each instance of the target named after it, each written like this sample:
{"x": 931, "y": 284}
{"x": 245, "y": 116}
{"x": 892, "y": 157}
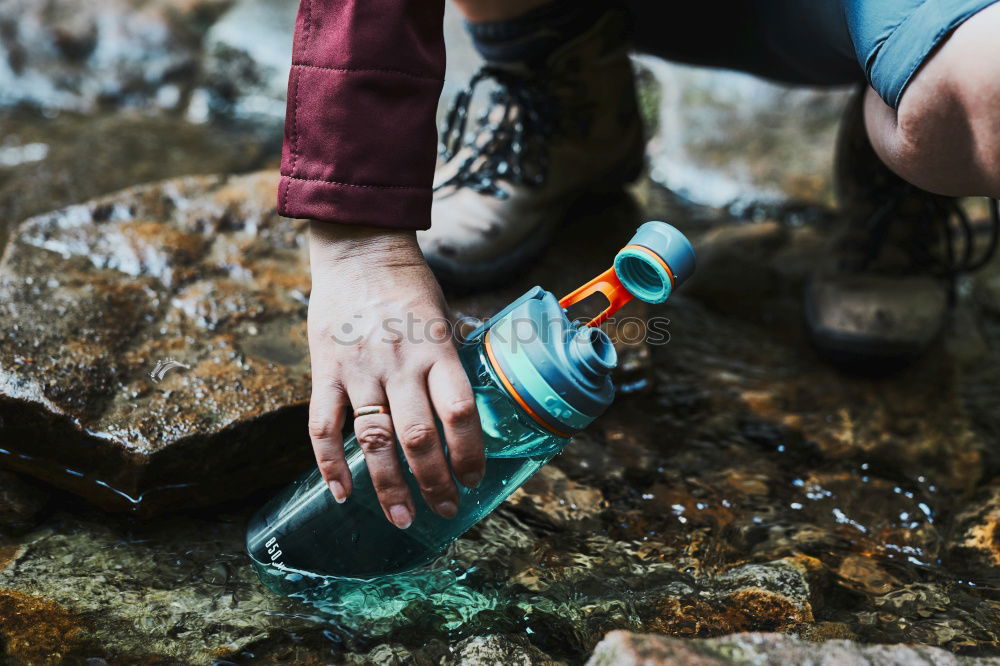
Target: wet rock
{"x": 937, "y": 614}
{"x": 627, "y": 649}
{"x": 391, "y": 655}
{"x": 741, "y": 250}
{"x": 9, "y": 554}
{"x": 247, "y": 55}
{"x": 489, "y": 650}
{"x": 975, "y": 544}
{"x": 763, "y": 597}
{"x": 199, "y": 58}
{"x": 37, "y": 631}
{"x": 20, "y": 503}
{"x": 552, "y": 496}
{"x": 79, "y": 56}
{"x": 48, "y": 161}
{"x": 865, "y": 573}
{"x": 151, "y": 329}
{"x": 729, "y": 139}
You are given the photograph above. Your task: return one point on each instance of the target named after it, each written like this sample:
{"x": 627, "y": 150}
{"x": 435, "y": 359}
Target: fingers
{"x": 327, "y": 411}
{"x": 378, "y": 442}
{"x": 418, "y": 435}
{"x": 455, "y": 406}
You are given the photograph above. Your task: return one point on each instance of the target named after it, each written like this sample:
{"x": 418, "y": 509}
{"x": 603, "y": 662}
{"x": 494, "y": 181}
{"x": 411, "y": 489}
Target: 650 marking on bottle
{"x": 274, "y": 551}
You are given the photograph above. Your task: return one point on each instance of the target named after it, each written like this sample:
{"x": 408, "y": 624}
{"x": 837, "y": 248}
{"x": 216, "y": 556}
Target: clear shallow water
{"x": 748, "y": 454}
{"x": 633, "y": 527}
{"x": 445, "y": 600}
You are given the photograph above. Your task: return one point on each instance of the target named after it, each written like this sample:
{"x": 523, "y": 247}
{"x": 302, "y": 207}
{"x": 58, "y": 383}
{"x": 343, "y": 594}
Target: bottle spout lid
{"x": 657, "y": 260}
{"x": 560, "y": 374}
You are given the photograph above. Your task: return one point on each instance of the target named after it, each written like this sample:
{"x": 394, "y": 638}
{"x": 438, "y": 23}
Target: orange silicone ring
{"x": 658, "y": 258}
{"x": 513, "y": 392}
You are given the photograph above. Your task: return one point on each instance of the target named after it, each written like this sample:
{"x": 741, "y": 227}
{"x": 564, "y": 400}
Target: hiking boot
{"x": 557, "y": 126}
{"x": 883, "y": 292}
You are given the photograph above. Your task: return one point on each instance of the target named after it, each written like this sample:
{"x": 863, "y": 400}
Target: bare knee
{"x": 945, "y": 136}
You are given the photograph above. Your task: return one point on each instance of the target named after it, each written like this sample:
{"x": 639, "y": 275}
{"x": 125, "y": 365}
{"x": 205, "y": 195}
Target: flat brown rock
{"x": 201, "y": 272}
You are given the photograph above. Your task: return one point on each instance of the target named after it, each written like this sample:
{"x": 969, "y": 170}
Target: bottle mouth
{"x": 644, "y": 274}
{"x": 594, "y": 353}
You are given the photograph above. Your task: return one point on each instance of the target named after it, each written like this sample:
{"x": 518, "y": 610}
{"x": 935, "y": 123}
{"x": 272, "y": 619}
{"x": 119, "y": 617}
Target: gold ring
{"x": 371, "y": 409}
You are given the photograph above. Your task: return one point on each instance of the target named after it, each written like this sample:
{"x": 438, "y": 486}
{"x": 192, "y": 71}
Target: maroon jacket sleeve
{"x": 360, "y": 131}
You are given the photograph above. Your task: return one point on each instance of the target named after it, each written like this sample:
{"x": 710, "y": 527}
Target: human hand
{"x": 368, "y": 285}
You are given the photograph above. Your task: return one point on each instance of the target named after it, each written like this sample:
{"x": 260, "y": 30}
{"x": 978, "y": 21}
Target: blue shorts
{"x": 814, "y": 42}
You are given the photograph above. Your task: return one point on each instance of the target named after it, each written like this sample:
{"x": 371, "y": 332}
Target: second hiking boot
{"x": 882, "y": 294}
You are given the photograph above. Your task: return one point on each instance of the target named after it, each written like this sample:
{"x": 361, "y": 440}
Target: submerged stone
{"x": 490, "y": 650}
{"x": 154, "y": 345}
{"x": 170, "y": 591}
{"x": 37, "y": 631}
{"x": 975, "y": 544}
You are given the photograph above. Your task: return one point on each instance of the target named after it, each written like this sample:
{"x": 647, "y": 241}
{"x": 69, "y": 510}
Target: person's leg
{"x": 945, "y": 135}
{"x": 790, "y": 41}
{"x": 566, "y": 87}
{"x": 883, "y": 291}
{"x": 938, "y": 128}
{"x": 479, "y": 11}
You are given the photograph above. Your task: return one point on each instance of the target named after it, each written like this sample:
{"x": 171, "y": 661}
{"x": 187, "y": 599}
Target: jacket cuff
{"x": 392, "y": 207}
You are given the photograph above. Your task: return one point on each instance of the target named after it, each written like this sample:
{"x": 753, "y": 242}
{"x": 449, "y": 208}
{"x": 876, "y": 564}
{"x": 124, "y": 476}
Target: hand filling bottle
{"x": 538, "y": 378}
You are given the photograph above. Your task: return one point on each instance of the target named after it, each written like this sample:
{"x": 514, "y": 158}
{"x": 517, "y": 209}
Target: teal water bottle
{"x": 538, "y": 378}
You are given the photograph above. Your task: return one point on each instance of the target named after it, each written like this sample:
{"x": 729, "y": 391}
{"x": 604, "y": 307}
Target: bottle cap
{"x": 655, "y": 262}
{"x": 557, "y": 372}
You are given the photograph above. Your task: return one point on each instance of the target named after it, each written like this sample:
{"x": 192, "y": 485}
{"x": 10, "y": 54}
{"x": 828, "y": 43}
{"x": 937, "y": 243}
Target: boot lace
{"x": 966, "y": 261}
{"x": 939, "y": 218}
{"x": 511, "y": 137}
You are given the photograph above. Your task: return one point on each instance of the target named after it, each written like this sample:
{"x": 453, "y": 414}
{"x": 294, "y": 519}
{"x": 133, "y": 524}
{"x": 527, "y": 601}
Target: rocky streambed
{"x": 739, "y": 485}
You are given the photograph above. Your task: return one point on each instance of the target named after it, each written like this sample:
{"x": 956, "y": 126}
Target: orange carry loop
{"x": 608, "y": 284}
